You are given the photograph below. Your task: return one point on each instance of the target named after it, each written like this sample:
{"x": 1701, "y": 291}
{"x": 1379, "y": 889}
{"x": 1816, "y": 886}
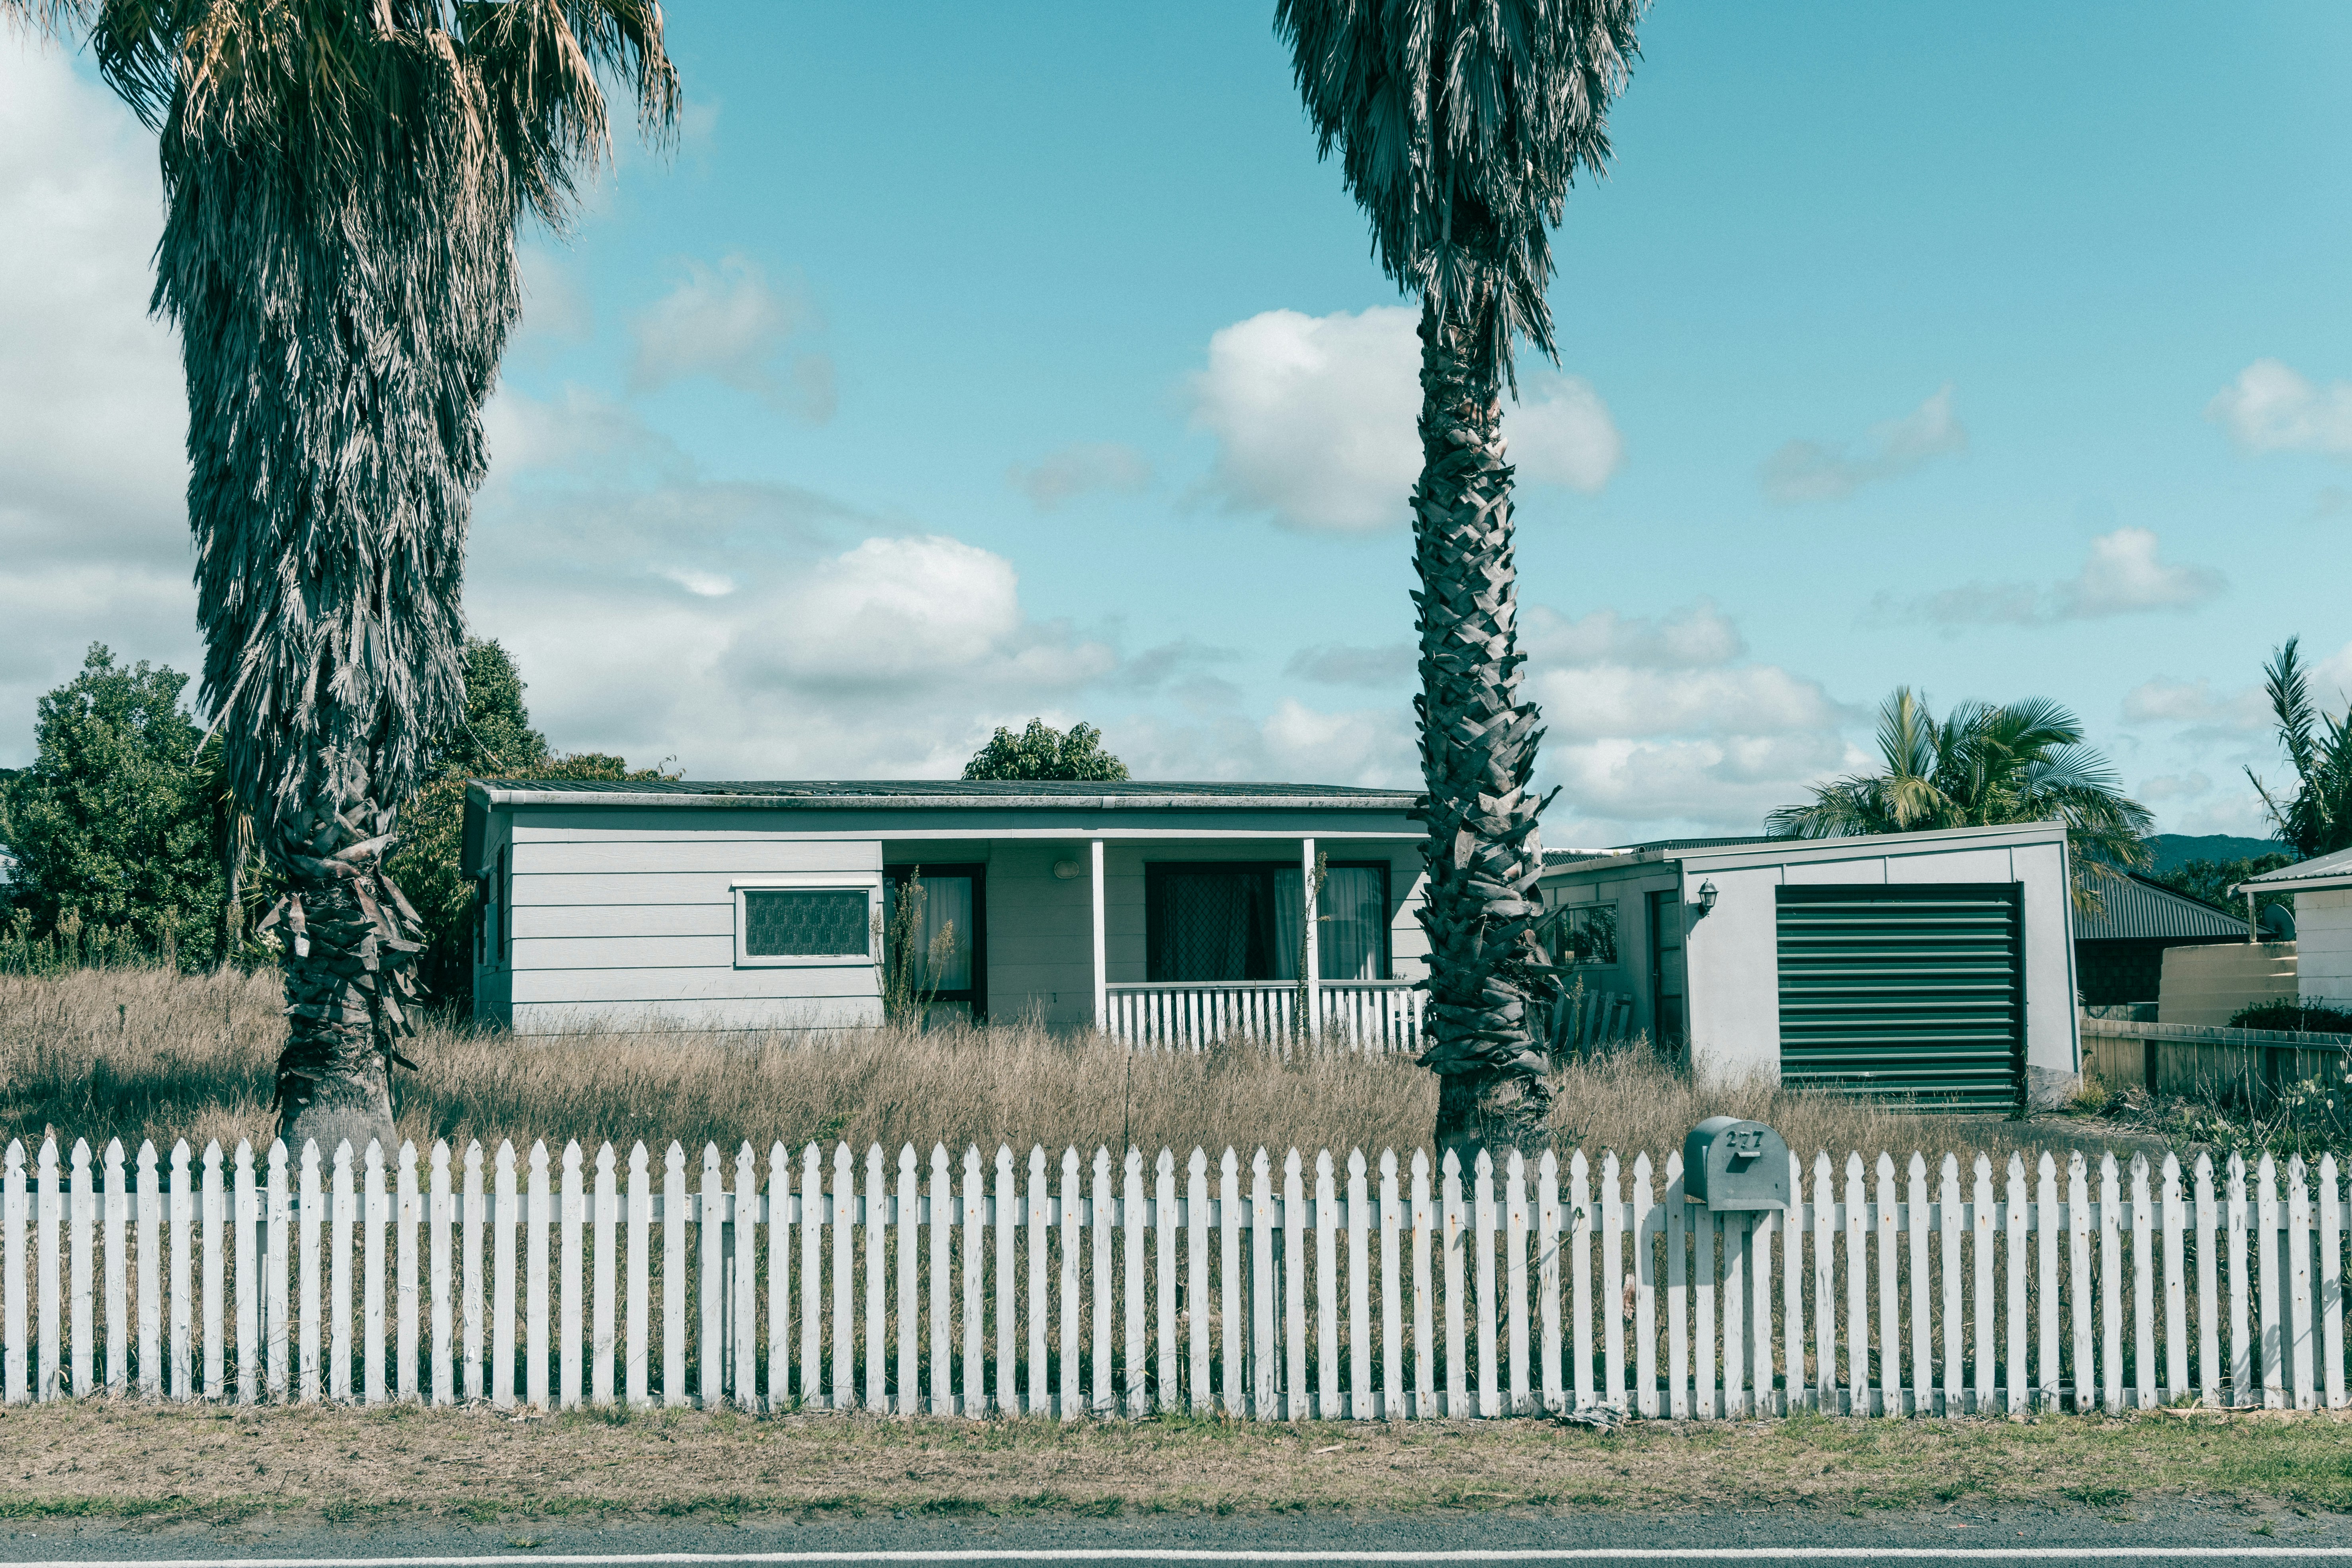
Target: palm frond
{"x": 1460, "y": 125}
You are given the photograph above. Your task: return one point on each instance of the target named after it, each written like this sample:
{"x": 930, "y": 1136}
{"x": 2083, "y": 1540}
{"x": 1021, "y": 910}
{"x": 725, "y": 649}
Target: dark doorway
{"x": 1669, "y": 1027}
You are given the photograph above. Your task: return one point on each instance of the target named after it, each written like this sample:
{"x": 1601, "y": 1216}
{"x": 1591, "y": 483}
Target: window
{"x": 1353, "y": 915}
{"x": 818, "y": 924}
{"x": 806, "y": 919}
{"x": 1206, "y": 922}
{"x": 1580, "y": 933}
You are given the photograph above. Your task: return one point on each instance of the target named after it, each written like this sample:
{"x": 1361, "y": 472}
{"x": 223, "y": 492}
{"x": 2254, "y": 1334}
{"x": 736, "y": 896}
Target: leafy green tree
{"x": 2213, "y": 879}
{"x": 109, "y": 824}
{"x": 2317, "y": 818}
{"x": 343, "y": 183}
{"x": 1985, "y": 765}
{"x": 1041, "y": 751}
{"x": 1460, "y": 126}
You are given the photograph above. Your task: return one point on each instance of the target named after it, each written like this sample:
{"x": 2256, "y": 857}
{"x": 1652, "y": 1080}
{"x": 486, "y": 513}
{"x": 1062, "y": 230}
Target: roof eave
{"x": 493, "y": 794}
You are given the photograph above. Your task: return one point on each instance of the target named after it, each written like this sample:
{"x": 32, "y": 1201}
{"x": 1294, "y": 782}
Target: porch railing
{"x": 1369, "y": 1014}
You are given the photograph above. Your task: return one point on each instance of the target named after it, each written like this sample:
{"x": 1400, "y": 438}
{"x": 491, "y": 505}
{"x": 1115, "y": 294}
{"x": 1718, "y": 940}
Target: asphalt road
{"x": 2181, "y": 1532}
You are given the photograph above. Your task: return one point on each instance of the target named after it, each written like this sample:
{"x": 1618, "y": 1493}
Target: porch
{"x": 1368, "y": 1015}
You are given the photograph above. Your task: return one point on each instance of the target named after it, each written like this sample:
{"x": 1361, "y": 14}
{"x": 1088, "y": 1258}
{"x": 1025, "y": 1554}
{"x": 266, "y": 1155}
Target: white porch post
{"x": 1314, "y": 975}
{"x": 1102, "y": 975}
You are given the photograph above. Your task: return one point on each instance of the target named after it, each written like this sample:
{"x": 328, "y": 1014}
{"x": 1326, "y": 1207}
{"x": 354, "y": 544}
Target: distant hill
{"x": 2179, "y": 848}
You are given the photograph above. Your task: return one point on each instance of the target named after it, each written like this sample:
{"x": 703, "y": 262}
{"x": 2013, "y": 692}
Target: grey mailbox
{"x": 1732, "y": 1164}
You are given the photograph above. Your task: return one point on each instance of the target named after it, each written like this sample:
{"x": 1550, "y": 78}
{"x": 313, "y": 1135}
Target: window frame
{"x": 866, "y": 882}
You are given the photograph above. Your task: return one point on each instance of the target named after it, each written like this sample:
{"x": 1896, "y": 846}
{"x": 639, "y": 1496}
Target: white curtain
{"x": 1353, "y": 914}
{"x": 947, "y": 900}
{"x": 1289, "y": 924}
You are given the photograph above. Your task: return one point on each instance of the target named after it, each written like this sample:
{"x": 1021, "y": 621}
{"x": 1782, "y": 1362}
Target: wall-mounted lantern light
{"x": 1707, "y": 897}
{"x": 1069, "y": 870}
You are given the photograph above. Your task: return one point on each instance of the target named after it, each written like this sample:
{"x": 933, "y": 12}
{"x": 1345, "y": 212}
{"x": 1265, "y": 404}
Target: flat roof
{"x": 1766, "y": 849}
{"x": 1104, "y": 795}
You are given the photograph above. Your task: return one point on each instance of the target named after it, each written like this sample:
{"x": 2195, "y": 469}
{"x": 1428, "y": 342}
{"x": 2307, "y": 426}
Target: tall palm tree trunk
{"x": 1478, "y": 753}
{"x": 349, "y": 987}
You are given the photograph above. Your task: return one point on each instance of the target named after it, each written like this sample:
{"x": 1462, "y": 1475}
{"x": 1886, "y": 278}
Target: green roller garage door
{"x": 1918, "y": 992}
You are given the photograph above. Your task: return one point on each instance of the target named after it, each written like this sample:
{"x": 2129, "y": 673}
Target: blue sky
{"x": 1026, "y": 361}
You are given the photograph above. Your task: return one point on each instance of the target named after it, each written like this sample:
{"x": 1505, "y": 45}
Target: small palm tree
{"x": 343, "y": 179}
{"x": 1460, "y": 125}
{"x": 2317, "y": 818}
{"x": 1983, "y": 766}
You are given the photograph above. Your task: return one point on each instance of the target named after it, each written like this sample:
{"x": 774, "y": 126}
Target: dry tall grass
{"x": 146, "y": 1053}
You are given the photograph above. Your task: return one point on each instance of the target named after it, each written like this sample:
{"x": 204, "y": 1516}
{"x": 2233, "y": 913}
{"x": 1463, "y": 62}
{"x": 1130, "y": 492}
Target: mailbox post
{"x": 1735, "y": 1166}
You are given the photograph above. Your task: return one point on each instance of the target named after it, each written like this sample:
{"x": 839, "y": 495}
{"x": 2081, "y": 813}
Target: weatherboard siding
{"x": 2323, "y": 931}
{"x": 642, "y": 931}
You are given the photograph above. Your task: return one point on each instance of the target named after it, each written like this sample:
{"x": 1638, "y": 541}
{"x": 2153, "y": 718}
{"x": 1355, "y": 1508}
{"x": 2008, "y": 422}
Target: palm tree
{"x": 1460, "y": 125}
{"x": 2317, "y": 818}
{"x": 1983, "y": 766}
{"x": 342, "y": 180}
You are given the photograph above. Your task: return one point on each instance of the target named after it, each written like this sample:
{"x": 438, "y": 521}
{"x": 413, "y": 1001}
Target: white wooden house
{"x": 1160, "y": 911}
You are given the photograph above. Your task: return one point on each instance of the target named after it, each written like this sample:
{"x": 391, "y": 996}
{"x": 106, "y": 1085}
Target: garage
{"x": 1918, "y": 992}
{"x": 1935, "y": 967}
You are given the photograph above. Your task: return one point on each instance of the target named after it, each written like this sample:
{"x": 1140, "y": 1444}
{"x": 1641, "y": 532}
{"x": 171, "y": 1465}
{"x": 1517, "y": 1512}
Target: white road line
{"x": 1340, "y": 1554}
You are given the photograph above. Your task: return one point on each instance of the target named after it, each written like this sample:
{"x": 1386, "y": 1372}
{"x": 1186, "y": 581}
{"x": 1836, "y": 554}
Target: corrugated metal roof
{"x": 2284, "y": 879}
{"x": 2138, "y": 907}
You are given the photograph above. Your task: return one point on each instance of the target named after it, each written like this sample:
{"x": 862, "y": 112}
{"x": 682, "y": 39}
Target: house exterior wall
{"x": 1732, "y": 953}
{"x": 629, "y": 912}
{"x": 2323, "y": 934}
{"x": 630, "y": 920}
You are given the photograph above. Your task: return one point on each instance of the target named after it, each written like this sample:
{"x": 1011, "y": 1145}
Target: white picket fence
{"x": 557, "y": 1284}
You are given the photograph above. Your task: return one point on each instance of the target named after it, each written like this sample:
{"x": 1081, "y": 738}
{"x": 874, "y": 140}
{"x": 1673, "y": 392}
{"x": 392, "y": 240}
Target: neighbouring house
{"x": 2323, "y": 922}
{"x": 2119, "y": 953}
{"x": 1938, "y": 965}
{"x": 1162, "y": 912}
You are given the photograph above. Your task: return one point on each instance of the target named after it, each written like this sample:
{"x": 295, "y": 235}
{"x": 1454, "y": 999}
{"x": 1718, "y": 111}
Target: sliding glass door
{"x": 1207, "y": 921}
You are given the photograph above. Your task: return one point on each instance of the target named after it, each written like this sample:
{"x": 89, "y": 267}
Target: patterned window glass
{"x": 790, "y": 923}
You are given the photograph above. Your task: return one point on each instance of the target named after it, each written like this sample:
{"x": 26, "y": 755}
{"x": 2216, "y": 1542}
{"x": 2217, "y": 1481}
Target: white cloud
{"x": 1371, "y": 748}
{"x": 2271, "y": 408}
{"x": 1079, "y": 470}
{"x": 1695, "y": 638}
{"x": 751, "y": 630}
{"x": 1315, "y": 420}
{"x": 93, "y": 411}
{"x": 730, "y": 324}
{"x": 1658, "y": 725}
{"x": 2121, "y": 576}
{"x": 2194, "y": 702}
{"x": 1350, "y": 664}
{"x": 1816, "y": 471}
{"x": 1559, "y": 433}
{"x": 2174, "y": 788}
